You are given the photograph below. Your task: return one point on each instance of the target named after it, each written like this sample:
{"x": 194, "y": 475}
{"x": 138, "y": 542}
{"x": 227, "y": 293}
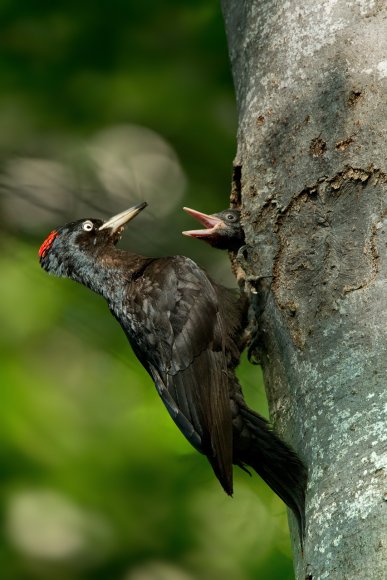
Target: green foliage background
{"x": 96, "y": 481}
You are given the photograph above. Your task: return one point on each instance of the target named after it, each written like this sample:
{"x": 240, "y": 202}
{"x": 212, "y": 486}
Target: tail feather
{"x": 274, "y": 461}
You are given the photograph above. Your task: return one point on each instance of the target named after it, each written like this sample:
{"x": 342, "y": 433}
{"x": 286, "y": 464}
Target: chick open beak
{"x": 211, "y": 222}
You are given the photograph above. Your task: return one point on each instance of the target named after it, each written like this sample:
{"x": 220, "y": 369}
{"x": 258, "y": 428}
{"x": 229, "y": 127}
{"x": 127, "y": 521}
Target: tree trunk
{"x": 310, "y": 176}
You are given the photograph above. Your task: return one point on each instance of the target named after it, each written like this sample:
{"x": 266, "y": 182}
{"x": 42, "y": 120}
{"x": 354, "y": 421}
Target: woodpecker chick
{"x": 223, "y": 229}
{"x": 185, "y": 330}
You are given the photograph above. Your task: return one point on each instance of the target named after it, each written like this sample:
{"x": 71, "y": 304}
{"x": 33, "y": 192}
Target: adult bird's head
{"x": 69, "y": 249}
{"x": 223, "y": 229}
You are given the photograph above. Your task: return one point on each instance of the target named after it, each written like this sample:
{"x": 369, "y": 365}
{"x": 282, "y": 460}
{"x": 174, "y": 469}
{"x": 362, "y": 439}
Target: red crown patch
{"x": 47, "y": 243}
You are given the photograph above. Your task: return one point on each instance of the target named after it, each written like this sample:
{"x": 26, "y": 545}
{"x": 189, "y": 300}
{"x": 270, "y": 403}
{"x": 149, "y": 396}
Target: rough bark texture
{"x": 310, "y": 176}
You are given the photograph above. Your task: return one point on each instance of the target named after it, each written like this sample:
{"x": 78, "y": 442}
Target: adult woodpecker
{"x": 223, "y": 229}
{"x": 185, "y": 331}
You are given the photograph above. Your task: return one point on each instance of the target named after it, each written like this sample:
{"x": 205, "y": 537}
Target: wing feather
{"x": 187, "y": 361}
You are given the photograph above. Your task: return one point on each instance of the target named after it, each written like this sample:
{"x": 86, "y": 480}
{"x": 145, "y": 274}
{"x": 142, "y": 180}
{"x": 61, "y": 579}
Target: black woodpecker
{"x": 185, "y": 330}
{"x": 223, "y": 229}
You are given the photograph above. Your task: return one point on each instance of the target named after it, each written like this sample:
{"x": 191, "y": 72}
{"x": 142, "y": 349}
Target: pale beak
{"x": 121, "y": 219}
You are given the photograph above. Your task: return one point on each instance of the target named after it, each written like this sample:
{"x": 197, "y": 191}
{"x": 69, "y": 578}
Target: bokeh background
{"x": 102, "y": 105}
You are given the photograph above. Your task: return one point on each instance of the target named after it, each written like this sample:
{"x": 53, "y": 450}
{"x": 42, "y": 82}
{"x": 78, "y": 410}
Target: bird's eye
{"x": 230, "y": 217}
{"x": 88, "y": 226}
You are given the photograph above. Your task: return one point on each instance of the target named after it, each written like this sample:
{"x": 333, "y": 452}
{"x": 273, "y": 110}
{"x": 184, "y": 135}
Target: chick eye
{"x": 87, "y": 226}
{"x": 230, "y": 217}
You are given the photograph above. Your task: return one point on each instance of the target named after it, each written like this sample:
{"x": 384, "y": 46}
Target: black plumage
{"x": 186, "y": 331}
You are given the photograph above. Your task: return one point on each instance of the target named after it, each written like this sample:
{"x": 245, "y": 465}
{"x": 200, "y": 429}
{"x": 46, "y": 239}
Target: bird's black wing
{"x": 177, "y": 333}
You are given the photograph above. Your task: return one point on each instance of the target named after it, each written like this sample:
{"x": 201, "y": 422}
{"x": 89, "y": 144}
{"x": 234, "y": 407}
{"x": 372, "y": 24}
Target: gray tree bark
{"x": 310, "y": 176}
